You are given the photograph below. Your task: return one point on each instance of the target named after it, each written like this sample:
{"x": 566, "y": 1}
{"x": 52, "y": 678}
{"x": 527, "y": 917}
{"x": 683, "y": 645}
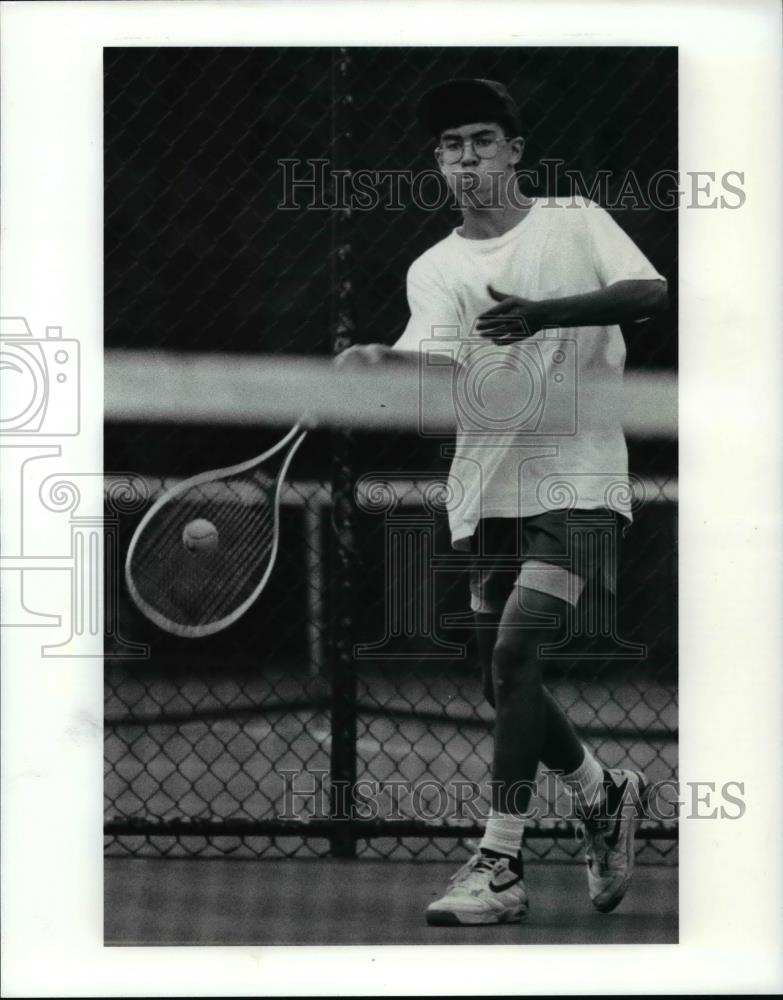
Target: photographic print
{"x": 391, "y": 481}
{"x": 390, "y": 498}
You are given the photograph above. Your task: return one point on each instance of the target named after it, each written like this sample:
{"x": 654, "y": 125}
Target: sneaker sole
{"x": 447, "y": 918}
{"x": 614, "y": 901}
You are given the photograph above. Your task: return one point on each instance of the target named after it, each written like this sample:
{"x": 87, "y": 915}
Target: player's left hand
{"x": 511, "y": 320}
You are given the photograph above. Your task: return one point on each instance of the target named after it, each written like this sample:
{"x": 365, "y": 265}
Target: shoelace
{"x": 479, "y": 864}
{"x": 597, "y": 850}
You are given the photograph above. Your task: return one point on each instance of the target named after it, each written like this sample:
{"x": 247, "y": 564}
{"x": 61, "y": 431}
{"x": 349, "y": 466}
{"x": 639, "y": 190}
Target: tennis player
{"x": 525, "y": 299}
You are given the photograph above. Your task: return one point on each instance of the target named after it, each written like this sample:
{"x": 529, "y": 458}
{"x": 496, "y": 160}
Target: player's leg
{"x": 608, "y": 800}
{"x": 493, "y": 582}
{"x": 563, "y": 753}
{"x": 490, "y": 888}
{"x": 529, "y": 726}
{"x": 563, "y": 750}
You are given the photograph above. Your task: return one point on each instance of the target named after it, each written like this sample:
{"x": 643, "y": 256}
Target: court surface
{"x": 329, "y": 901}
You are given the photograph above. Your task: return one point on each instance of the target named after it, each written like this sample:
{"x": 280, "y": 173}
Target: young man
{"x": 525, "y": 299}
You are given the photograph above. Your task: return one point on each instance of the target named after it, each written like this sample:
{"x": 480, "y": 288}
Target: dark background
{"x": 198, "y": 257}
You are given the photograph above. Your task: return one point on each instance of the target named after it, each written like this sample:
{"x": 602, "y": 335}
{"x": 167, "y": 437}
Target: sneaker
{"x": 488, "y": 889}
{"x": 609, "y": 840}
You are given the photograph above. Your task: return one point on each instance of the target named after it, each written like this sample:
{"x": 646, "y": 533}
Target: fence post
{"x": 343, "y": 676}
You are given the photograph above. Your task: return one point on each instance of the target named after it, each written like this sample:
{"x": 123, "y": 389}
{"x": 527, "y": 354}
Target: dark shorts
{"x": 565, "y": 553}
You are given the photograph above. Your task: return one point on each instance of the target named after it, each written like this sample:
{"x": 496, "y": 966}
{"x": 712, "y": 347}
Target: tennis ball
{"x": 200, "y": 536}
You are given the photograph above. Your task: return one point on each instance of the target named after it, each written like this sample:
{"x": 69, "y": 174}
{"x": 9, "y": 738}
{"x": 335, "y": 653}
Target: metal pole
{"x": 343, "y": 693}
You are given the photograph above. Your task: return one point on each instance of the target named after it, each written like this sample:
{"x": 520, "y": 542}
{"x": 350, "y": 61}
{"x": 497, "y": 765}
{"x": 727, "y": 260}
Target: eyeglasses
{"x": 484, "y": 146}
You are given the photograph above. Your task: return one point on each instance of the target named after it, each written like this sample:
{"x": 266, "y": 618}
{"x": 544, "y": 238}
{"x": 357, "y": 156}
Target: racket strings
{"x": 179, "y": 590}
{"x": 199, "y": 587}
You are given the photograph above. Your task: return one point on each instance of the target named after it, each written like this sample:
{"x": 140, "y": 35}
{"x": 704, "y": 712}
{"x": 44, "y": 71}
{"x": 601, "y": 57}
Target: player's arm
{"x": 433, "y": 326}
{"x": 515, "y": 318}
{"x": 622, "y": 302}
{"x": 628, "y": 288}
{"x": 361, "y": 355}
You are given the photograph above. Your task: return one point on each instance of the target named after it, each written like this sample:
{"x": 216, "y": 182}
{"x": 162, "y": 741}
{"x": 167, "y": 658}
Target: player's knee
{"x": 515, "y": 669}
{"x": 488, "y": 686}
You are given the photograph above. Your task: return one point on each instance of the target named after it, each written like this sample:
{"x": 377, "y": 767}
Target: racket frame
{"x": 295, "y": 435}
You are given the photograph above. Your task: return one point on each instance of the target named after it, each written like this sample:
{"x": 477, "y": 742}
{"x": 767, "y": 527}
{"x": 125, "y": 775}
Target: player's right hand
{"x": 360, "y": 355}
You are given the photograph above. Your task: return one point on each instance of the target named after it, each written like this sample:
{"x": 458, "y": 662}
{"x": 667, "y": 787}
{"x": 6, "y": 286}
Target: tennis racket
{"x": 204, "y": 551}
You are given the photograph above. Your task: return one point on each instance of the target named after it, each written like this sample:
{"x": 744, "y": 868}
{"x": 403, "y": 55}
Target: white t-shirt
{"x": 531, "y": 435}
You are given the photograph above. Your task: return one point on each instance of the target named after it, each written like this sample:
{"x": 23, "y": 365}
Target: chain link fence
{"x": 251, "y": 742}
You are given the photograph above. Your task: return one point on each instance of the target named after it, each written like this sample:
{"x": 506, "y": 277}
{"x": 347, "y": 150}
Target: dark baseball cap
{"x": 457, "y": 102}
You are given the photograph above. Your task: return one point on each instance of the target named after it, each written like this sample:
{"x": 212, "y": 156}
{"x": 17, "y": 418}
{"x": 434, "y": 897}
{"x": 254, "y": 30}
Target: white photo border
{"x": 730, "y": 501}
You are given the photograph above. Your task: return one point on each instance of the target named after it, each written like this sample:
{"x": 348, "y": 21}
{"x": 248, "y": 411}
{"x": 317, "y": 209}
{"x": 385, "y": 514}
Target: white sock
{"x": 503, "y": 834}
{"x": 586, "y": 782}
